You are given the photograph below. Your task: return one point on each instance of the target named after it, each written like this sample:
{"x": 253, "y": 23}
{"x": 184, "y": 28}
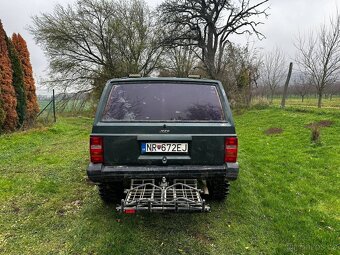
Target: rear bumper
{"x": 101, "y": 173}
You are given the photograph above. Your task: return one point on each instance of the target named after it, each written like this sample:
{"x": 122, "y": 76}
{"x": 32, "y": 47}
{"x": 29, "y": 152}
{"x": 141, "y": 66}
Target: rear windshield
{"x": 163, "y": 102}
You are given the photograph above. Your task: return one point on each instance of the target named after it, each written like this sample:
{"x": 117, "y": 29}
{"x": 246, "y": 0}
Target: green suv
{"x": 163, "y": 128}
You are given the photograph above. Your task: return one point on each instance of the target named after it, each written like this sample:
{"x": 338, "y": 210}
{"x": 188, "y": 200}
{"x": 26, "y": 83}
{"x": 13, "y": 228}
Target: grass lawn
{"x": 310, "y": 101}
{"x": 286, "y": 200}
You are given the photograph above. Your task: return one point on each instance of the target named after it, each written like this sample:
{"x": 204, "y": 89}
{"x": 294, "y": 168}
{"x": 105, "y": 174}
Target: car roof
{"x": 166, "y": 79}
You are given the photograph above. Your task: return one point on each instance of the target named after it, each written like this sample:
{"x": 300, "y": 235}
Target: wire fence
{"x": 64, "y": 104}
{"x": 48, "y": 112}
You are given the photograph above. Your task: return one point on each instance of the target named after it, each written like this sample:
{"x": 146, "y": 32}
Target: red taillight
{"x": 130, "y": 211}
{"x": 230, "y": 154}
{"x": 96, "y": 149}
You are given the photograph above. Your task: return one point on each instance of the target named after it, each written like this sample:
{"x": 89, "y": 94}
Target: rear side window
{"x": 163, "y": 102}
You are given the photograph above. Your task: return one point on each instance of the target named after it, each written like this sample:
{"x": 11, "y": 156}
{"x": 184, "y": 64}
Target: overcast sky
{"x": 287, "y": 18}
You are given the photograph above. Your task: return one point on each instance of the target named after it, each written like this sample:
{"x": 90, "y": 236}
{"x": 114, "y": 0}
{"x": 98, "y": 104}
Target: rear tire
{"x": 111, "y": 192}
{"x": 218, "y": 189}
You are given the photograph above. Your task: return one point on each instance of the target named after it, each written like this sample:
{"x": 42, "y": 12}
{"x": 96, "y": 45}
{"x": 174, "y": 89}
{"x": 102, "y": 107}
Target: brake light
{"x": 96, "y": 149}
{"x": 130, "y": 211}
{"x": 230, "y": 154}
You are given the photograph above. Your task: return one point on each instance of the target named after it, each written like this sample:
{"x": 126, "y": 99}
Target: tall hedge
{"x": 7, "y": 96}
{"x": 32, "y": 107}
{"x": 18, "y": 82}
{"x": 2, "y": 113}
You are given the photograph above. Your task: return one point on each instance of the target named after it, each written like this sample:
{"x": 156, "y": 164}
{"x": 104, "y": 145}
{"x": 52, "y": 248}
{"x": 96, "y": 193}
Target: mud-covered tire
{"x": 218, "y": 188}
{"x": 111, "y": 192}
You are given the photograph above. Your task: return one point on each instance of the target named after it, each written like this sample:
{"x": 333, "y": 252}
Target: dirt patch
{"x": 202, "y": 238}
{"x": 321, "y": 123}
{"x": 70, "y": 208}
{"x": 273, "y": 131}
{"x": 15, "y": 208}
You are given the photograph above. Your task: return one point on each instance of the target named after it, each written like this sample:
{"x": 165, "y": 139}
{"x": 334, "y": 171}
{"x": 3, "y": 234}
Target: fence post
{"x": 53, "y": 104}
{"x": 283, "y": 101}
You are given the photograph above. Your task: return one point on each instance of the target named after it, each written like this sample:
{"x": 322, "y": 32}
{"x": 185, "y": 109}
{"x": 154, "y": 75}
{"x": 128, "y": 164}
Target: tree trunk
{"x": 302, "y": 98}
{"x": 319, "y": 99}
{"x": 249, "y": 95}
{"x": 249, "y": 98}
{"x": 272, "y": 96}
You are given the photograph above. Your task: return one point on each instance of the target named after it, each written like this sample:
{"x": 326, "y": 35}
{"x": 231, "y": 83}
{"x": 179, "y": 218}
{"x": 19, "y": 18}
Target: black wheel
{"x": 111, "y": 192}
{"x": 218, "y": 188}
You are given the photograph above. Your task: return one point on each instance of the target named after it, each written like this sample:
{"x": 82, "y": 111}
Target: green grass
{"x": 310, "y": 101}
{"x": 286, "y": 200}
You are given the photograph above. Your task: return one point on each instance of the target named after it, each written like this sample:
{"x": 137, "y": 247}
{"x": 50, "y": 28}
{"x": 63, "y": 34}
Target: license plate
{"x": 164, "y": 147}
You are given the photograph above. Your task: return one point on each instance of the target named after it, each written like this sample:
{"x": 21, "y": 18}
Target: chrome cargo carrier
{"x": 145, "y": 195}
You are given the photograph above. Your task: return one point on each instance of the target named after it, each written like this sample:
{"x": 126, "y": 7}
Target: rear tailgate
{"x": 205, "y": 143}
{"x": 192, "y": 113}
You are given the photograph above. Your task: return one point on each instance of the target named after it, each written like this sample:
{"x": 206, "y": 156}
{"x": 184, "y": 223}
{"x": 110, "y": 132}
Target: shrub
{"x": 32, "y": 107}
{"x": 2, "y": 116}
{"x": 7, "y": 97}
{"x": 315, "y": 138}
{"x": 18, "y": 82}
{"x": 260, "y": 103}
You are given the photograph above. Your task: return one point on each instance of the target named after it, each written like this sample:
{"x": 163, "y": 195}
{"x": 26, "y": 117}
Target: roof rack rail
{"x": 194, "y": 76}
{"x": 135, "y": 75}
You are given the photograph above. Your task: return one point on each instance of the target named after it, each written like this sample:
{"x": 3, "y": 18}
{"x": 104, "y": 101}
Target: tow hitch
{"x": 145, "y": 195}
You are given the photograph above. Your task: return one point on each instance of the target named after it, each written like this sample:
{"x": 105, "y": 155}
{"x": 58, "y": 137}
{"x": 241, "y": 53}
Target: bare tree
{"x": 319, "y": 55}
{"x": 273, "y": 71}
{"x": 253, "y": 61}
{"x": 333, "y": 89}
{"x": 179, "y": 61}
{"x": 138, "y": 38}
{"x": 208, "y": 24}
{"x": 94, "y": 40}
{"x": 241, "y": 66}
{"x": 302, "y": 86}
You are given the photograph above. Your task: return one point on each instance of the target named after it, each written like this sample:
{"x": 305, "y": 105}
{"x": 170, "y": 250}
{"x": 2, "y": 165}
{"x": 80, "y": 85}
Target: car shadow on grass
{"x": 100, "y": 229}
{"x": 165, "y": 232}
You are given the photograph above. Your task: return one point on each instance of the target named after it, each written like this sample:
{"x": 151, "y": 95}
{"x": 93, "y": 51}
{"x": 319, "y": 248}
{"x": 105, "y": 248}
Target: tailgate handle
{"x": 164, "y": 138}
